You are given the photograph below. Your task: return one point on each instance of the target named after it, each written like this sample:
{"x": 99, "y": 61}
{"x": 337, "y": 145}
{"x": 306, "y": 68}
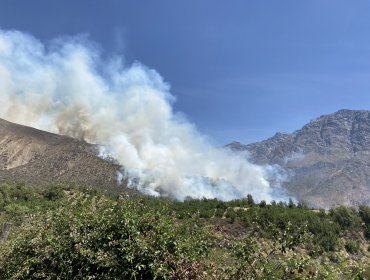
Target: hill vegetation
{"x": 63, "y": 233}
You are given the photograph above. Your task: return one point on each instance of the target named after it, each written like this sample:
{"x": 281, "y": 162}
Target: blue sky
{"x": 240, "y": 70}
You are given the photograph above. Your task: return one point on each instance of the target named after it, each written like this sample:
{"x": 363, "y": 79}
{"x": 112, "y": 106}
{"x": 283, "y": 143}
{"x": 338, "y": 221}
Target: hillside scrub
{"x": 85, "y": 235}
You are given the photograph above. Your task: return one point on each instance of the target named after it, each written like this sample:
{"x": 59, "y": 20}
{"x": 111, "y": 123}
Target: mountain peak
{"x": 333, "y": 166}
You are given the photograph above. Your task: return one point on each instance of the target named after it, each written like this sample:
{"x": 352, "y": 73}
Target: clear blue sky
{"x": 241, "y": 70}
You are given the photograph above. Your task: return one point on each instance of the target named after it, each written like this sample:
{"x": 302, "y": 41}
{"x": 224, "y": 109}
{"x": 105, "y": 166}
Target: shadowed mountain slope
{"x": 328, "y": 160}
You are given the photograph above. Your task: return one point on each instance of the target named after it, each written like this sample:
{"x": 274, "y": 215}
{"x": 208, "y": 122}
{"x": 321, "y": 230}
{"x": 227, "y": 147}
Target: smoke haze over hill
{"x": 66, "y": 87}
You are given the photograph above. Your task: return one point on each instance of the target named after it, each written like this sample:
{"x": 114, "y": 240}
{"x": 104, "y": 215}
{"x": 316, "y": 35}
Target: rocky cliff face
{"x": 328, "y": 159}
{"x": 39, "y": 157}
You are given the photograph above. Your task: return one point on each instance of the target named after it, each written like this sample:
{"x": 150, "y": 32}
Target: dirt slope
{"x": 39, "y": 157}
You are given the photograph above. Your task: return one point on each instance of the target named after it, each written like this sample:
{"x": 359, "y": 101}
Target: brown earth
{"x": 38, "y": 157}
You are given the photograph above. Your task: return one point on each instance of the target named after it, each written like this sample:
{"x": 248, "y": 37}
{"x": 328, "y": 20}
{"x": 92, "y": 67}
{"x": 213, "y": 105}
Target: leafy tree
{"x": 364, "y": 212}
{"x": 352, "y": 246}
{"x": 291, "y": 203}
{"x": 347, "y": 218}
{"x": 53, "y": 193}
{"x": 250, "y": 200}
{"x": 262, "y": 204}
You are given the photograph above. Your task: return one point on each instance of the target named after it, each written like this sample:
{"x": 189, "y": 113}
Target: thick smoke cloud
{"x": 66, "y": 87}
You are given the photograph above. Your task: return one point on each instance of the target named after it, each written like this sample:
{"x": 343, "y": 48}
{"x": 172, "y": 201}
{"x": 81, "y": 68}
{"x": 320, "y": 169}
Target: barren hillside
{"x": 39, "y": 157}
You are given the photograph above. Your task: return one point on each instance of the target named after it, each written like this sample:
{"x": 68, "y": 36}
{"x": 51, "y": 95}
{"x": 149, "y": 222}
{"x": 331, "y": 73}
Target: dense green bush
{"x": 81, "y": 234}
{"x": 103, "y": 239}
{"x": 18, "y": 200}
{"x": 352, "y": 246}
{"x": 364, "y": 212}
{"x": 345, "y": 217}
{"x": 53, "y": 193}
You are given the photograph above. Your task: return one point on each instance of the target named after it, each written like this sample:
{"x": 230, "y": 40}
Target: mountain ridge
{"x": 328, "y": 159}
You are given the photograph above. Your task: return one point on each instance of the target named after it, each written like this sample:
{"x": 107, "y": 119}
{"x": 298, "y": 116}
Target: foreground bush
{"x": 104, "y": 239}
{"x": 79, "y": 234}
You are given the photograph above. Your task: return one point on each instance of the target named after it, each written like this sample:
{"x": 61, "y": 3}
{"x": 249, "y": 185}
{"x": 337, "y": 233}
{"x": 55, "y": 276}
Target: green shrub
{"x": 53, "y": 193}
{"x": 262, "y": 204}
{"x": 352, "y": 246}
{"x": 347, "y": 218}
{"x": 364, "y": 212}
{"x": 103, "y": 240}
{"x": 96, "y": 236}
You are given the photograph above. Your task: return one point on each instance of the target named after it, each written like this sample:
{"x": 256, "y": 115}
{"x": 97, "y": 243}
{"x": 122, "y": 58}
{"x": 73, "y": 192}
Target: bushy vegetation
{"x": 104, "y": 239}
{"x": 80, "y": 234}
{"x": 18, "y": 201}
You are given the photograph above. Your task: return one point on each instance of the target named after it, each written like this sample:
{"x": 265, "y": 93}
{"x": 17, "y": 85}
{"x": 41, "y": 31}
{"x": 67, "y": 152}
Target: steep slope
{"x": 328, "y": 160}
{"x": 39, "y": 157}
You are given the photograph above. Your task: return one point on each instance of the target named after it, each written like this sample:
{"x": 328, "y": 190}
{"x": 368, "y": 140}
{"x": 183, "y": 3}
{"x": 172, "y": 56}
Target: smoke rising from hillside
{"x": 66, "y": 87}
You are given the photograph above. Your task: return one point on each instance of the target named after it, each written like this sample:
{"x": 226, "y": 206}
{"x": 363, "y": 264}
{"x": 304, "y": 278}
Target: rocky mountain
{"x": 327, "y": 161}
{"x": 39, "y": 157}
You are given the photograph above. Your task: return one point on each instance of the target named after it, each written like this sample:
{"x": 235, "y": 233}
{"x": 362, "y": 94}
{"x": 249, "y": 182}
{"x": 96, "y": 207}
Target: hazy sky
{"x": 240, "y": 70}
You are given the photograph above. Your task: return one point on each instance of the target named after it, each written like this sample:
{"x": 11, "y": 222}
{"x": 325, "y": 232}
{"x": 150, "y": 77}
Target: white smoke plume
{"x": 66, "y": 87}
